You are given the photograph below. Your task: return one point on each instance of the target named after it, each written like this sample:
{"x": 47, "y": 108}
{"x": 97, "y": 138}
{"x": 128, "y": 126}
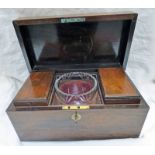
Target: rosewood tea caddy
{"x": 77, "y": 88}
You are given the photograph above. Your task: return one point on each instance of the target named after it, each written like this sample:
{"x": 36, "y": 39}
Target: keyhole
{"x": 76, "y": 116}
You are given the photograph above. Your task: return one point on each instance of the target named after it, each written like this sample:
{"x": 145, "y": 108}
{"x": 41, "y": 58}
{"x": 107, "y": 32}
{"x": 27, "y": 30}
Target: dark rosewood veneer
{"x": 95, "y": 44}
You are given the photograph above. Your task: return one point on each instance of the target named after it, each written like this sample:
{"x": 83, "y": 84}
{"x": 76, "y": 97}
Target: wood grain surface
{"x": 35, "y": 89}
{"x": 109, "y": 122}
{"x": 117, "y": 86}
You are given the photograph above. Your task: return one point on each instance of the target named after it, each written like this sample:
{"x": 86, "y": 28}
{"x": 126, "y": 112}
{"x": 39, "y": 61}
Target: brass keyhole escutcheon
{"x": 76, "y": 116}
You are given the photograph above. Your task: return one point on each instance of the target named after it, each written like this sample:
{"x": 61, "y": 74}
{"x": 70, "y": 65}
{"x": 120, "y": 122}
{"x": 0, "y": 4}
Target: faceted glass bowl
{"x": 75, "y": 88}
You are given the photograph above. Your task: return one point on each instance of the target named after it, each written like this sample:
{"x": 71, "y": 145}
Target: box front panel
{"x": 78, "y": 125}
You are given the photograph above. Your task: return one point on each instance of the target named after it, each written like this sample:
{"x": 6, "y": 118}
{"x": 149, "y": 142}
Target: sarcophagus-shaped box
{"x": 77, "y": 87}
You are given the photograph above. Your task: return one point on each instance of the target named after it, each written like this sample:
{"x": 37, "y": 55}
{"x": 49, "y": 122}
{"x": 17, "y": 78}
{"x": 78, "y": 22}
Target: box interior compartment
{"x": 117, "y": 87}
{"x": 113, "y": 87}
{"x": 96, "y": 99}
{"x": 94, "y": 44}
{"x": 36, "y": 90}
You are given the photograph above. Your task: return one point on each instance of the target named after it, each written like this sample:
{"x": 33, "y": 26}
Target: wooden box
{"x": 97, "y": 44}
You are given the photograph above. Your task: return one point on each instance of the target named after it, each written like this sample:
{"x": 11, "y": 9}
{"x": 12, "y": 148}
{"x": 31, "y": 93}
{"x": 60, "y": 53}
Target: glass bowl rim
{"x": 82, "y": 94}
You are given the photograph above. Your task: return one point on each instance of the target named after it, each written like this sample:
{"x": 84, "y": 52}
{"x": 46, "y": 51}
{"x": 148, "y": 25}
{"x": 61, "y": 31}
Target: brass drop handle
{"x": 76, "y": 116}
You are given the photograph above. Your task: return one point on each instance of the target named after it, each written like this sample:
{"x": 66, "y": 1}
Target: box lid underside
{"x": 76, "y": 42}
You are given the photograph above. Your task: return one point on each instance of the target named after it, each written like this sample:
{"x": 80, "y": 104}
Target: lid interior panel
{"x": 75, "y": 44}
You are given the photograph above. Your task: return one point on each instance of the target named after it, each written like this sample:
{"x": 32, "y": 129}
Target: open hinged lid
{"x": 81, "y": 41}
